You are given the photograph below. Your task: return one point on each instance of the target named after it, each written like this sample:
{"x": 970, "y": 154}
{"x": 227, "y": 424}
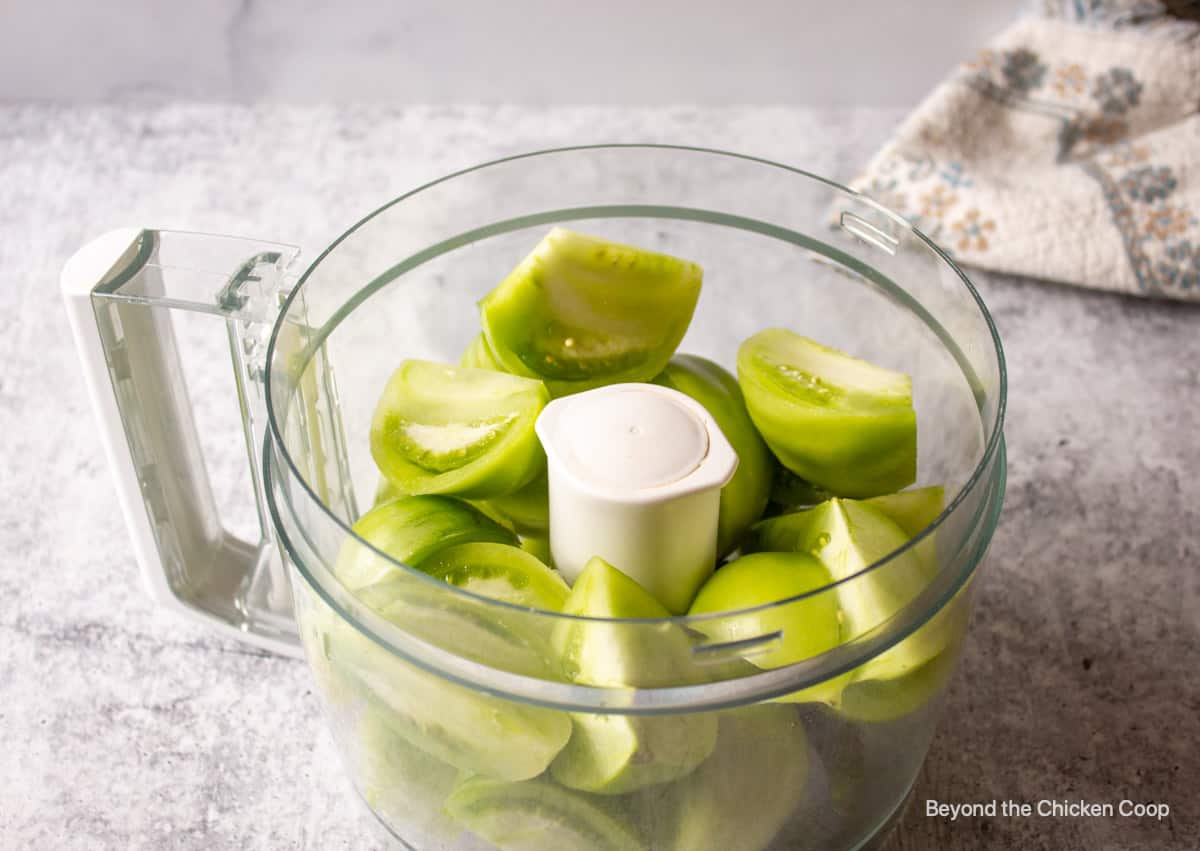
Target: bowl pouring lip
{"x": 993, "y": 445}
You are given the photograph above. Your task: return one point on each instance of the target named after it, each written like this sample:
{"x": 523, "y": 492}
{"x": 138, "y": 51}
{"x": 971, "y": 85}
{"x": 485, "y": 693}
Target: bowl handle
{"x": 119, "y": 290}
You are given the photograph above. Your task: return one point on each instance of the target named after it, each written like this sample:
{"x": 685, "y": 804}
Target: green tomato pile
{"x": 826, "y": 444}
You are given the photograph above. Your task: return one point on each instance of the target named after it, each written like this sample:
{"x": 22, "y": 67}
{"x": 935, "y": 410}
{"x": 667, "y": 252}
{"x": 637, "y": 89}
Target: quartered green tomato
{"x": 745, "y": 497}
{"x": 503, "y": 640}
{"x": 411, "y": 529}
{"x": 580, "y": 312}
{"x": 879, "y": 701}
{"x": 453, "y": 430}
{"x": 399, "y": 781}
{"x": 840, "y": 423}
{"x": 502, "y": 572}
{"x": 912, "y": 510}
{"x": 457, "y": 725}
{"x": 743, "y": 794}
{"x": 809, "y": 626}
{"x": 539, "y": 547}
{"x": 539, "y": 815}
{"x": 848, "y": 536}
{"x": 385, "y": 491}
{"x": 479, "y": 356}
{"x": 526, "y": 511}
{"x": 789, "y": 491}
{"x": 612, "y": 754}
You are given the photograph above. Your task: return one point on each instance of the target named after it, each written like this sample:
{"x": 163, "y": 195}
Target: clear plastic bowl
{"x": 444, "y": 717}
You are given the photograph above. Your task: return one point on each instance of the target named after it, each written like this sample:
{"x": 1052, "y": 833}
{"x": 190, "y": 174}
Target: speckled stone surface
{"x": 126, "y": 728}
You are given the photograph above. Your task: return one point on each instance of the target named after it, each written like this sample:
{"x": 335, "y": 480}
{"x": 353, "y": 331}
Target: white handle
{"x": 119, "y": 290}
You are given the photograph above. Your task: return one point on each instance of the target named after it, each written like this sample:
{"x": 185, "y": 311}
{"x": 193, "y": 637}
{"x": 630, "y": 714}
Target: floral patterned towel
{"x": 1068, "y": 150}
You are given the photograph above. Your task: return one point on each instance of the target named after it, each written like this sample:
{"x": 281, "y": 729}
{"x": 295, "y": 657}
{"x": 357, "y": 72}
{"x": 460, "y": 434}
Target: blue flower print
{"x": 1116, "y": 90}
{"x": 1022, "y": 70}
{"x": 954, "y": 175}
{"x": 1184, "y": 270}
{"x": 1148, "y": 183}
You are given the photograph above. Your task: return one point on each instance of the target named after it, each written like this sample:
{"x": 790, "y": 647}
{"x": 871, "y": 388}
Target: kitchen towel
{"x": 1068, "y": 150}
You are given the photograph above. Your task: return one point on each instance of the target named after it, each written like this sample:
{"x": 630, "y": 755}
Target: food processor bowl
{"x": 456, "y": 726}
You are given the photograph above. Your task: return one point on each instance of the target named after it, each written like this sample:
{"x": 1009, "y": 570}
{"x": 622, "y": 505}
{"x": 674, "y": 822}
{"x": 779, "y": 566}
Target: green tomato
{"x": 385, "y": 491}
{"x": 527, "y": 511}
{"x": 878, "y": 701}
{"x": 452, "y": 430}
{"x": 402, "y": 783}
{"x": 411, "y": 529}
{"x": 601, "y": 653}
{"x": 504, "y": 640}
{"x": 840, "y": 423}
{"x": 539, "y": 547}
{"x": 848, "y": 536}
{"x": 612, "y": 754}
{"x": 809, "y": 626}
{"x": 913, "y": 510}
{"x": 745, "y": 497}
{"x": 502, "y": 572}
{"x": 538, "y": 815}
{"x": 743, "y": 794}
{"x": 580, "y": 312}
{"x": 790, "y": 491}
{"x": 457, "y": 725}
{"x": 478, "y": 356}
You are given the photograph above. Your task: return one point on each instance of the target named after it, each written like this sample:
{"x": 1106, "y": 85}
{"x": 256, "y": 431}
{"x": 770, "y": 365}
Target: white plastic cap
{"x": 635, "y": 477}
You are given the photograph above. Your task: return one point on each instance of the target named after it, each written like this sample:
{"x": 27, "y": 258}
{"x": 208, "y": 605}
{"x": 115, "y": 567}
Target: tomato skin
{"x": 581, "y": 312}
{"x": 539, "y": 814}
{"x": 526, "y": 511}
{"x": 502, "y": 572}
{"x": 411, "y": 529}
{"x": 441, "y": 429}
{"x": 809, "y": 626}
{"x": 477, "y": 355}
{"x": 613, "y": 754}
{"x": 849, "y": 536}
{"x": 837, "y": 422}
{"x": 745, "y": 497}
{"x": 911, "y": 510}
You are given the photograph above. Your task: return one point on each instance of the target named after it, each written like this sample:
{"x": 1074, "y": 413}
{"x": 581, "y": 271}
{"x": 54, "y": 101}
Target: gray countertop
{"x": 127, "y": 728}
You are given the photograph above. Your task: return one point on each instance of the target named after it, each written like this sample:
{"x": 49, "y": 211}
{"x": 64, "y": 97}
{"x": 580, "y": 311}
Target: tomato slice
{"x": 848, "y": 536}
{"x": 455, "y": 430}
{"x": 457, "y": 725}
{"x": 837, "y": 422}
{"x": 539, "y": 815}
{"x": 808, "y": 626}
{"x": 746, "y": 792}
{"x": 613, "y": 754}
{"x": 527, "y": 510}
{"x": 745, "y": 497}
{"x": 479, "y": 356}
{"x": 580, "y": 312}
{"x": 410, "y": 529}
{"x": 911, "y": 510}
{"x": 502, "y": 572}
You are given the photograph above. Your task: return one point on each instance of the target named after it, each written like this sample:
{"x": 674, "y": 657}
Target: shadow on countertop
{"x": 1078, "y": 680}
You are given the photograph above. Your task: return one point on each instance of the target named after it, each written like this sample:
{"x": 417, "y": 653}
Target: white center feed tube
{"x": 636, "y": 472}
